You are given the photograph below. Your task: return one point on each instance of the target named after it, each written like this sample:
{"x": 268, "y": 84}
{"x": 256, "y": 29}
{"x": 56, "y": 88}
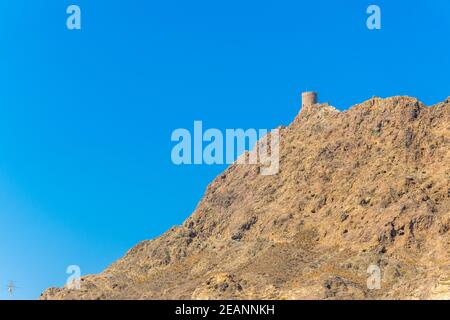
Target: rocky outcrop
{"x": 369, "y": 186}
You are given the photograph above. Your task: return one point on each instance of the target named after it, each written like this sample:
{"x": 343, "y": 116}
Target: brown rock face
{"x": 366, "y": 187}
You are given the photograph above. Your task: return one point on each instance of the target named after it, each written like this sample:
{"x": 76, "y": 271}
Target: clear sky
{"x": 86, "y": 116}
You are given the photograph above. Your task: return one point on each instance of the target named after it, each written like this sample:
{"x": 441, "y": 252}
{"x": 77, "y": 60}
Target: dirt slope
{"x": 368, "y": 186}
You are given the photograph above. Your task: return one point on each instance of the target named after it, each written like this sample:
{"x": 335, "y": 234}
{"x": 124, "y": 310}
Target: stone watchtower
{"x": 309, "y": 98}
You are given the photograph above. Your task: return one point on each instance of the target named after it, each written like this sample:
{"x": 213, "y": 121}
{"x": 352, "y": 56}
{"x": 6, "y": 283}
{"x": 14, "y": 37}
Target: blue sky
{"x": 86, "y": 116}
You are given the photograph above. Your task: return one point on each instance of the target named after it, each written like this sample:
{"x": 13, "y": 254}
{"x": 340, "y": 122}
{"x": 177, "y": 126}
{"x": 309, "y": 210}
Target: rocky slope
{"x": 368, "y": 186}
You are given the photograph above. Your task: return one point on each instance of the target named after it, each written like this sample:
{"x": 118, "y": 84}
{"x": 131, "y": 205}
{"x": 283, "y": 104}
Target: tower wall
{"x": 309, "y": 98}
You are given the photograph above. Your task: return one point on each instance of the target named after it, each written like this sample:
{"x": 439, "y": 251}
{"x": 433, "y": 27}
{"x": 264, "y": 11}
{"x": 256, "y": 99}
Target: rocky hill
{"x": 369, "y": 186}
